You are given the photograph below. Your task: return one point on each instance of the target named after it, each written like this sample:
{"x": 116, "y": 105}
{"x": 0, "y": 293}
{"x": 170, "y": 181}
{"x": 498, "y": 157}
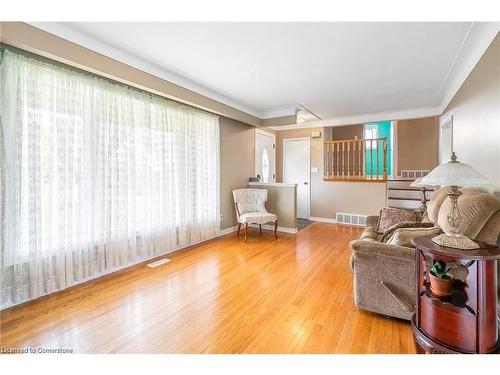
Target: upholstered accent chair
{"x": 250, "y": 205}
{"x": 384, "y": 270}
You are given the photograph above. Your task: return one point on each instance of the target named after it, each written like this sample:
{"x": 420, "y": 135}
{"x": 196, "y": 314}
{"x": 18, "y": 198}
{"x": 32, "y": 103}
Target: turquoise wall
{"x": 384, "y": 130}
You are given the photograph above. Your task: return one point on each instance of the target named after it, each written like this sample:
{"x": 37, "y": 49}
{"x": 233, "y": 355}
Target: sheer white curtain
{"x": 95, "y": 176}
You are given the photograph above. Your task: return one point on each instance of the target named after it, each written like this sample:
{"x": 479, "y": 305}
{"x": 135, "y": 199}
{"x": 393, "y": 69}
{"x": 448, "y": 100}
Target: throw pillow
{"x": 391, "y": 216}
{"x": 403, "y": 237}
{"x": 384, "y": 237}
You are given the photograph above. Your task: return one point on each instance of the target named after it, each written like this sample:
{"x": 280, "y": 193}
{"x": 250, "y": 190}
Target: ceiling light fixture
{"x": 304, "y": 115}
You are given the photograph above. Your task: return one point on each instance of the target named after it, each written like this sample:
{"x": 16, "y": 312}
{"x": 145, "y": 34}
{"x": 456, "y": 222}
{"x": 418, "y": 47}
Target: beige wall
{"x": 340, "y": 133}
{"x": 417, "y": 144}
{"x": 237, "y": 144}
{"x": 279, "y": 121}
{"x": 476, "y": 117}
{"x": 328, "y": 198}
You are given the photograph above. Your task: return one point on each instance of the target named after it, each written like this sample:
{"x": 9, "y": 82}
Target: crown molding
{"x": 405, "y": 114}
{"x": 474, "y": 45}
{"x": 477, "y": 40}
{"x": 64, "y": 30}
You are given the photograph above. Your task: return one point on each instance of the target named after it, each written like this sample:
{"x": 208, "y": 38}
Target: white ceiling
{"x": 266, "y": 69}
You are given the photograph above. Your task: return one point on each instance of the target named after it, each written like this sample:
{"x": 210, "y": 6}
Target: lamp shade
{"x": 454, "y": 173}
{"x": 418, "y": 183}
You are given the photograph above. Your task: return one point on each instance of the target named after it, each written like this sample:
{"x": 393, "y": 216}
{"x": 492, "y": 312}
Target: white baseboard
{"x": 225, "y": 231}
{"x": 280, "y": 229}
{"x": 323, "y": 219}
{"x": 222, "y": 232}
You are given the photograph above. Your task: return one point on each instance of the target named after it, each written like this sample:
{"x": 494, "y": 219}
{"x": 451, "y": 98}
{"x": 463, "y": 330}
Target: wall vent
{"x": 412, "y": 174}
{"x": 158, "y": 263}
{"x": 351, "y": 219}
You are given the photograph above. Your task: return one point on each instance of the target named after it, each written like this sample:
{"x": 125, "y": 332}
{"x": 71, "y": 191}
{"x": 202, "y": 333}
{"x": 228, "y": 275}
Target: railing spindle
{"x": 338, "y": 160}
{"x": 377, "y": 151}
{"x": 348, "y": 164}
{"x": 385, "y": 159}
{"x": 327, "y": 161}
{"x": 371, "y": 159}
{"x": 347, "y": 159}
{"x": 360, "y": 163}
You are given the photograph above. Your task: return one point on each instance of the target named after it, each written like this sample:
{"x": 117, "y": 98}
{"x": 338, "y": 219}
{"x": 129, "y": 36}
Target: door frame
{"x": 444, "y": 122}
{"x": 308, "y": 139}
{"x": 267, "y": 134}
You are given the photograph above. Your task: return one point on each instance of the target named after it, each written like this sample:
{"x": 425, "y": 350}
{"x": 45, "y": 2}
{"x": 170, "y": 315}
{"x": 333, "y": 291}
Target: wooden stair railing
{"x": 355, "y": 160}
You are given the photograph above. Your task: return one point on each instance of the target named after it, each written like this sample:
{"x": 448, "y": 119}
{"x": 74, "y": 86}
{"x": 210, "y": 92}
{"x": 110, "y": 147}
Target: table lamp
{"x": 423, "y": 188}
{"x": 455, "y": 175}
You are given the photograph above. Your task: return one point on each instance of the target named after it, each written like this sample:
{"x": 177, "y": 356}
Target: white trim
{"x": 64, "y": 30}
{"x": 323, "y": 219}
{"x": 394, "y": 156}
{"x": 444, "y": 121}
{"x": 405, "y": 114}
{"x": 474, "y": 45}
{"x": 225, "y": 231}
{"x": 308, "y": 139}
{"x": 271, "y": 227}
{"x": 277, "y": 184}
{"x": 221, "y": 233}
{"x": 266, "y": 133}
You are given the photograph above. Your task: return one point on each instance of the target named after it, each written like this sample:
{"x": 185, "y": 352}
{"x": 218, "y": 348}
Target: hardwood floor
{"x": 291, "y": 295}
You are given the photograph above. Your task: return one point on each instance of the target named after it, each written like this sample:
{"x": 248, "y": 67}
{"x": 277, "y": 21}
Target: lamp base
{"x": 456, "y": 241}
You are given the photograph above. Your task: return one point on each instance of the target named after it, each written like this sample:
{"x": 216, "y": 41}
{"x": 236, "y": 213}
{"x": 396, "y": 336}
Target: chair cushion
{"x": 250, "y": 200}
{"x": 257, "y": 218}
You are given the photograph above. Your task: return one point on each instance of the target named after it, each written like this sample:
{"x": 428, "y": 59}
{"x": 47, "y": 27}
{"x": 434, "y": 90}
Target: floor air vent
{"x": 351, "y": 219}
{"x": 412, "y": 174}
{"x": 158, "y": 263}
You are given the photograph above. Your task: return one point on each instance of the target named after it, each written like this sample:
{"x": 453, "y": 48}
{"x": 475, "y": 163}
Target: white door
{"x": 265, "y": 157}
{"x": 296, "y": 170}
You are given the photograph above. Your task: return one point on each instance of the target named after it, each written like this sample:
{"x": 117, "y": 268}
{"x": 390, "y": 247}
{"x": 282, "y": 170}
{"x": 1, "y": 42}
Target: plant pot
{"x": 441, "y": 287}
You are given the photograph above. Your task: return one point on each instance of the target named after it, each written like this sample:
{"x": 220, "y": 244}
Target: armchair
{"x": 384, "y": 271}
{"x": 250, "y": 205}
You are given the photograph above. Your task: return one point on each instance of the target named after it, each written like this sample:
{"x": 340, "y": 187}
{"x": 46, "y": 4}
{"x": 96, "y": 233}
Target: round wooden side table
{"x": 466, "y": 321}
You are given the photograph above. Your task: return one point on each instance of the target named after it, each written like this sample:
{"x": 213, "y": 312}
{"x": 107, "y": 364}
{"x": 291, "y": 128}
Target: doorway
{"x": 296, "y": 170}
{"x": 378, "y": 130}
{"x": 446, "y": 140}
{"x": 265, "y": 156}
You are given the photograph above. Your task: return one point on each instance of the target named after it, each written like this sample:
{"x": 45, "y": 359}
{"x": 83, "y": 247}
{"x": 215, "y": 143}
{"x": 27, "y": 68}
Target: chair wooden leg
{"x": 238, "y": 232}
{"x": 260, "y": 229}
{"x": 246, "y": 231}
{"x": 276, "y": 229}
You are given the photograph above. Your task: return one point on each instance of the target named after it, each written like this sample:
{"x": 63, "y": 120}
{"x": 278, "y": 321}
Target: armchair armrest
{"x": 371, "y": 220}
{"x": 374, "y": 248}
{"x": 384, "y": 278}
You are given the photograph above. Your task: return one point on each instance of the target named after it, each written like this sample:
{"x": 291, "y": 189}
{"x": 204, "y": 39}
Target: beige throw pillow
{"x": 403, "y": 237}
{"x": 384, "y": 237}
{"x": 392, "y": 216}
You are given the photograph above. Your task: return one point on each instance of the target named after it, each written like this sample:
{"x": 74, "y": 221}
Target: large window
{"x": 95, "y": 176}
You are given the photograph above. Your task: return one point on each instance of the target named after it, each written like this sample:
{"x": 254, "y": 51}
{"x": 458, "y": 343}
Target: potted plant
{"x": 441, "y": 280}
